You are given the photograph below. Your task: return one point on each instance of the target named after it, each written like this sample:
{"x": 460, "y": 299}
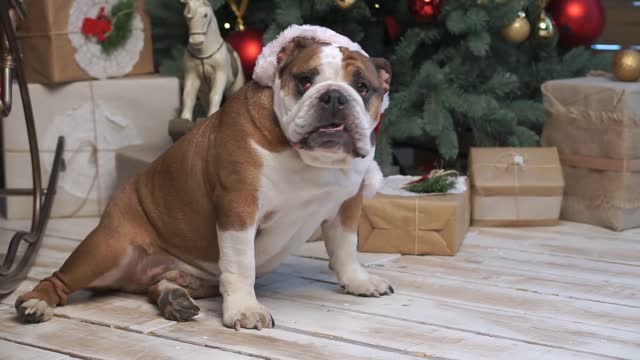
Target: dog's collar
{"x": 206, "y": 56}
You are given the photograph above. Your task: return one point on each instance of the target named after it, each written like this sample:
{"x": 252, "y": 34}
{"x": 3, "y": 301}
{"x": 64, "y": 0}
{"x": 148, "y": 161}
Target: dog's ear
{"x": 384, "y": 72}
{"x": 292, "y": 48}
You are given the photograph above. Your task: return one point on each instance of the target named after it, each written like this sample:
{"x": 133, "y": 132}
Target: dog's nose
{"x": 333, "y": 100}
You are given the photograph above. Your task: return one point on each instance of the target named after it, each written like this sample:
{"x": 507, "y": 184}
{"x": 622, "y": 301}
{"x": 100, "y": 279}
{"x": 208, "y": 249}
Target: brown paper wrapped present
{"x": 97, "y": 118}
{"x": 595, "y": 124}
{"x": 515, "y": 186}
{"x": 56, "y": 51}
{"x": 396, "y": 221}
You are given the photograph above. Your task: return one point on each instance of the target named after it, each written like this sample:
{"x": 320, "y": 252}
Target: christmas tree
{"x": 462, "y": 69}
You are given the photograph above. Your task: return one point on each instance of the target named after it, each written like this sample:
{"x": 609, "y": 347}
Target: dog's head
{"x": 328, "y": 99}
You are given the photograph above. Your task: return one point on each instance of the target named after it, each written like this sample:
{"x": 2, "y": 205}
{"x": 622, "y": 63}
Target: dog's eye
{"x": 206, "y": 15}
{"x": 363, "y": 89}
{"x": 305, "y": 82}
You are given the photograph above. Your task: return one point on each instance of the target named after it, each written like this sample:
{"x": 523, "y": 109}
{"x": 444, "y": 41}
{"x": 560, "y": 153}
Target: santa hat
{"x": 267, "y": 63}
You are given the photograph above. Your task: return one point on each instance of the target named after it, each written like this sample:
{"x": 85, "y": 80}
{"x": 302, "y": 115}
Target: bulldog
{"x": 233, "y": 197}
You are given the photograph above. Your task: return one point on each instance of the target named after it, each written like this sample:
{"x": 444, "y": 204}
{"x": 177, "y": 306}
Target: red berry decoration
{"x": 578, "y": 22}
{"x": 248, "y": 44}
{"x": 425, "y": 10}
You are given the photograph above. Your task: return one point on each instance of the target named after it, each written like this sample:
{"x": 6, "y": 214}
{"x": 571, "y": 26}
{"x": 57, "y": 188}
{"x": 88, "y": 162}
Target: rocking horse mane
{"x": 191, "y": 7}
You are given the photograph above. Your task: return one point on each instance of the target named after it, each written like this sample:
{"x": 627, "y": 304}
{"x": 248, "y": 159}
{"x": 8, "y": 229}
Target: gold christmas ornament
{"x": 545, "y": 27}
{"x": 626, "y": 65}
{"x": 518, "y": 31}
{"x": 345, "y": 4}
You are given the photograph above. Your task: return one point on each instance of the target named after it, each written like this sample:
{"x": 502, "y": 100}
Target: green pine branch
{"x": 451, "y": 76}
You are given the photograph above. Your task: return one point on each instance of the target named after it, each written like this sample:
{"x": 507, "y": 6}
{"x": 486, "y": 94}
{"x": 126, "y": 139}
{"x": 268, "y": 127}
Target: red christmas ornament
{"x": 425, "y": 10}
{"x": 579, "y": 22}
{"x": 98, "y": 27}
{"x": 393, "y": 27}
{"x": 248, "y": 44}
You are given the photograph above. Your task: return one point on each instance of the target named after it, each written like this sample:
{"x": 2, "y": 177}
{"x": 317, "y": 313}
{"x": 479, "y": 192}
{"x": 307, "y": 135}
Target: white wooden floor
{"x": 567, "y": 292}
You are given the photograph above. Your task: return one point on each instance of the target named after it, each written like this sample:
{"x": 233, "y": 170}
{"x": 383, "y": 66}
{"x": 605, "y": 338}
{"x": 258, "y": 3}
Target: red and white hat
{"x": 267, "y": 64}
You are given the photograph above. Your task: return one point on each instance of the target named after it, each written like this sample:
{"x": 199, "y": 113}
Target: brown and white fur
{"x": 211, "y": 67}
{"x": 233, "y": 197}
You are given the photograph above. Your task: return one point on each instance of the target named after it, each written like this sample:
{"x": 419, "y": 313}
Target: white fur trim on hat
{"x": 267, "y": 63}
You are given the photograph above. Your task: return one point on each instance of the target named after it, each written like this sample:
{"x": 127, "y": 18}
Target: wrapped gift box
{"x": 55, "y": 49}
{"x": 399, "y": 221}
{"x": 595, "y": 124}
{"x": 515, "y": 186}
{"x": 96, "y": 118}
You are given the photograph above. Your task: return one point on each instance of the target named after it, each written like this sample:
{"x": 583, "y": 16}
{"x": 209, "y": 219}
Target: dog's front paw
{"x": 368, "y": 286}
{"x": 248, "y": 315}
{"x": 33, "y": 311}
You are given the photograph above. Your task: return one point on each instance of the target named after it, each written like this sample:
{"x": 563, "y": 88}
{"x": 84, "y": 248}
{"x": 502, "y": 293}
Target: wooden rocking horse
{"x": 212, "y": 69}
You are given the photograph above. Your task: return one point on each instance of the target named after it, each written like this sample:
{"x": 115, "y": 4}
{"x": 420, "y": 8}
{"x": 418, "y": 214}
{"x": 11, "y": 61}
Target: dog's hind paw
{"x": 33, "y": 310}
{"x": 177, "y": 305}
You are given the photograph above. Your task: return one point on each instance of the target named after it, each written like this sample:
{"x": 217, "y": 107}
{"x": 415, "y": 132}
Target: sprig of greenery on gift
{"x": 438, "y": 181}
{"x": 122, "y": 18}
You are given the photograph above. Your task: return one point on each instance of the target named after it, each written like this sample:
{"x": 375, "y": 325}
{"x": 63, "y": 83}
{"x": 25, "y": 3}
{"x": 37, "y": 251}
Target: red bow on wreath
{"x": 98, "y": 27}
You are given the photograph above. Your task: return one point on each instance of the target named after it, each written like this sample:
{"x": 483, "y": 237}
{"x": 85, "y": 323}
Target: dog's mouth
{"x": 332, "y": 138}
{"x": 331, "y": 128}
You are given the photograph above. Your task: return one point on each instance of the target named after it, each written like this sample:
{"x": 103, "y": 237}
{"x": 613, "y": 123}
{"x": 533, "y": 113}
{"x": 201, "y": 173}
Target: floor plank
{"x": 12, "y": 351}
{"x": 277, "y": 343}
{"x": 478, "y": 295}
{"x": 98, "y": 342}
{"x": 587, "y": 247}
{"x": 545, "y": 263}
{"x": 495, "y": 276}
{"x": 133, "y": 313}
{"x": 569, "y": 291}
{"x": 442, "y": 312}
{"x": 412, "y": 337}
{"x": 486, "y": 270}
{"x": 577, "y": 230}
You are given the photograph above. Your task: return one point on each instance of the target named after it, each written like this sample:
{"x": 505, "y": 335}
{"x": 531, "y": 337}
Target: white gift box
{"x": 96, "y": 118}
